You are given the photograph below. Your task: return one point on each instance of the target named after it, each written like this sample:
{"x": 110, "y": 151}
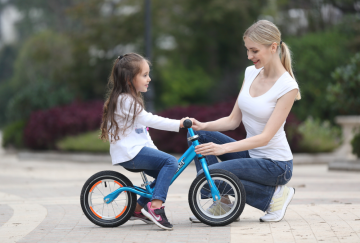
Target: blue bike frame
{"x": 184, "y": 161}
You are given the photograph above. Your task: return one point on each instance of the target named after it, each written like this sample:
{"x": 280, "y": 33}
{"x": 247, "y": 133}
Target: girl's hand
{"x": 210, "y": 149}
{"x": 197, "y": 126}
{"x": 182, "y": 121}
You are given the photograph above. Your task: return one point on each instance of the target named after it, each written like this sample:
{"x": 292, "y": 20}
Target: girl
{"x": 124, "y": 124}
{"x": 262, "y": 161}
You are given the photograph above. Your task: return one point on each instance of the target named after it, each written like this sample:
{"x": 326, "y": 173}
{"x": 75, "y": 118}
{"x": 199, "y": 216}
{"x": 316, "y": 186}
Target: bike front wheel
{"x": 92, "y": 199}
{"x": 224, "y": 211}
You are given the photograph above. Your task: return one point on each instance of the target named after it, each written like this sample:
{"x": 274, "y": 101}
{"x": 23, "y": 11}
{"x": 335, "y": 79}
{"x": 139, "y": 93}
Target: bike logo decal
{"x": 181, "y": 164}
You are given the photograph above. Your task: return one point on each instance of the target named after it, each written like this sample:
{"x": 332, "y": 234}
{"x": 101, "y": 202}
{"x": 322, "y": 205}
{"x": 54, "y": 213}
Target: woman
{"x": 262, "y": 161}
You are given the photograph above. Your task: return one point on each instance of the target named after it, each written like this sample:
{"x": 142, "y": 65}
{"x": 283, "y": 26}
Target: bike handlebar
{"x": 187, "y": 123}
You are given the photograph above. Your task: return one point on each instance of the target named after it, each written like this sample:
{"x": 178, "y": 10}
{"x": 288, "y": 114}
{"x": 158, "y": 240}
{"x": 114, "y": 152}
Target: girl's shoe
{"x": 157, "y": 215}
{"x": 278, "y": 205}
{"x": 142, "y": 217}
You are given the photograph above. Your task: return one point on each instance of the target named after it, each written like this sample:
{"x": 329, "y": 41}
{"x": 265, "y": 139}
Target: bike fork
{"x": 214, "y": 191}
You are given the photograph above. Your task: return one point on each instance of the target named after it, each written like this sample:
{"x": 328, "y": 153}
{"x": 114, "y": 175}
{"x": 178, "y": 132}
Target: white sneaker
{"x": 216, "y": 209}
{"x": 278, "y": 205}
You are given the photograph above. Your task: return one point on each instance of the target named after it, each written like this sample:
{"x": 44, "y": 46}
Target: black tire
{"x": 99, "y": 185}
{"x": 236, "y": 197}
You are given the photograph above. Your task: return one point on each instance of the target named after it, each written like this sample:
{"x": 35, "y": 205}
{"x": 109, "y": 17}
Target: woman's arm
{"x": 278, "y": 117}
{"x": 230, "y": 122}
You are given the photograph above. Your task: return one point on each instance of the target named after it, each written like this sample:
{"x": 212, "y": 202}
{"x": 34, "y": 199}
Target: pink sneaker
{"x": 157, "y": 215}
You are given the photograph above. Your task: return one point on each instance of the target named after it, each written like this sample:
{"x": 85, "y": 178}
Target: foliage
{"x": 6, "y": 93}
{"x": 205, "y": 37}
{"x": 315, "y": 56}
{"x": 209, "y": 34}
{"x": 40, "y": 77}
{"x": 13, "y": 134}
{"x": 176, "y": 142}
{"x": 87, "y": 142}
{"x": 40, "y": 96}
{"x": 184, "y": 86}
{"x": 45, "y": 127}
{"x": 38, "y": 15}
{"x": 355, "y": 143}
{"x": 318, "y": 136}
{"x": 45, "y": 56}
{"x": 343, "y": 95}
{"x": 7, "y": 58}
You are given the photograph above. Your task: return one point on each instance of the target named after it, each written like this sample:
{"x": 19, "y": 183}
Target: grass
{"x": 86, "y": 142}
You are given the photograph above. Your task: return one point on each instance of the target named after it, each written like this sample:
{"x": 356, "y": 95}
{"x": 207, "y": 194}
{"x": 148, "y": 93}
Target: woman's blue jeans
{"x": 260, "y": 176}
{"x": 157, "y": 164}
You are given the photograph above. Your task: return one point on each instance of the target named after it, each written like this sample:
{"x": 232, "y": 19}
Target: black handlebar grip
{"x": 187, "y": 123}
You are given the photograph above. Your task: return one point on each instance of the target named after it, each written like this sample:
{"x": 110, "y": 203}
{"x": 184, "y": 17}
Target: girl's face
{"x": 259, "y": 54}
{"x": 142, "y": 80}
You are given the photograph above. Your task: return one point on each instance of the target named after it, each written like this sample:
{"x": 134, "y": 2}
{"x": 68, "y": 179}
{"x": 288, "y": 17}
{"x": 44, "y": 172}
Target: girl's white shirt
{"x": 137, "y": 136}
{"x": 256, "y": 112}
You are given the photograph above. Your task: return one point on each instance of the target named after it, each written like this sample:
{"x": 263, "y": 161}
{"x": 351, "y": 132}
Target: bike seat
{"x": 134, "y": 170}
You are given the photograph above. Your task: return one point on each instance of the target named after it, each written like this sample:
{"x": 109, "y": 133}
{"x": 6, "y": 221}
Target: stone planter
{"x": 345, "y": 159}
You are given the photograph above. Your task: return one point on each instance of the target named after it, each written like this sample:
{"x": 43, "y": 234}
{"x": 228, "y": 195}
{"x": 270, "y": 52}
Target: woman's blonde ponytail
{"x": 286, "y": 62}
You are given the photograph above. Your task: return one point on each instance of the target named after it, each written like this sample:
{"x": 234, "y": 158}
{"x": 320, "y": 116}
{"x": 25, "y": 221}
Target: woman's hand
{"x": 210, "y": 149}
{"x": 197, "y": 126}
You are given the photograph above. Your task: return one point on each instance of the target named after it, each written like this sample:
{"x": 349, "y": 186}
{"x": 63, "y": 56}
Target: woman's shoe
{"x": 278, "y": 205}
{"x": 216, "y": 209}
{"x": 157, "y": 215}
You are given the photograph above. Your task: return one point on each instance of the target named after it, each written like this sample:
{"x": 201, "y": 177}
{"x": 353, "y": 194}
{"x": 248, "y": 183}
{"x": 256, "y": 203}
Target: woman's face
{"x": 259, "y": 54}
{"x": 143, "y": 79}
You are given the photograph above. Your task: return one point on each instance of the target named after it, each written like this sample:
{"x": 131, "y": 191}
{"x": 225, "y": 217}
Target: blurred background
{"x": 56, "y": 57}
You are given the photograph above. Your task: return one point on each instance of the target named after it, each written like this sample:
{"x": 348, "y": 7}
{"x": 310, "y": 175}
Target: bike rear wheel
{"x": 224, "y": 211}
{"x": 92, "y": 199}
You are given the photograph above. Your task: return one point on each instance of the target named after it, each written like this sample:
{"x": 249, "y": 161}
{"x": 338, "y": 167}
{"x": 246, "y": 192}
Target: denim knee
{"x": 172, "y": 163}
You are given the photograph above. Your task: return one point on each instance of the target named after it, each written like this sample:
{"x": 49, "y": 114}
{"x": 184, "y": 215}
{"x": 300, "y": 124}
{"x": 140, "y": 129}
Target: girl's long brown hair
{"x": 120, "y": 82}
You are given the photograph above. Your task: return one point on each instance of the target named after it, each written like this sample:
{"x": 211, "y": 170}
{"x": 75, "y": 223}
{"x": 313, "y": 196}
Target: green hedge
{"x": 86, "y": 142}
{"x": 13, "y": 134}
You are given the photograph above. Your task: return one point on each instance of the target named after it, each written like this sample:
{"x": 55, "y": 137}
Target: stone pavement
{"x": 39, "y": 202}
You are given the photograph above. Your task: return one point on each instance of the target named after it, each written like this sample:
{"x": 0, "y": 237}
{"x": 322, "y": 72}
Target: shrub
{"x": 355, "y": 142}
{"x": 13, "y": 134}
{"x": 36, "y": 97}
{"x": 318, "y": 136}
{"x": 316, "y": 55}
{"x": 87, "y": 142}
{"x": 343, "y": 95}
{"x": 176, "y": 142}
{"x": 45, "y": 127}
{"x": 184, "y": 86}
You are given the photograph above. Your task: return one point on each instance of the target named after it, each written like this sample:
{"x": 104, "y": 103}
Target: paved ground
{"x": 39, "y": 202}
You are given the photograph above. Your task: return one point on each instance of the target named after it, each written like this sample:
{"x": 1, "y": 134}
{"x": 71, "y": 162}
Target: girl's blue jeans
{"x": 260, "y": 176}
{"x": 157, "y": 164}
